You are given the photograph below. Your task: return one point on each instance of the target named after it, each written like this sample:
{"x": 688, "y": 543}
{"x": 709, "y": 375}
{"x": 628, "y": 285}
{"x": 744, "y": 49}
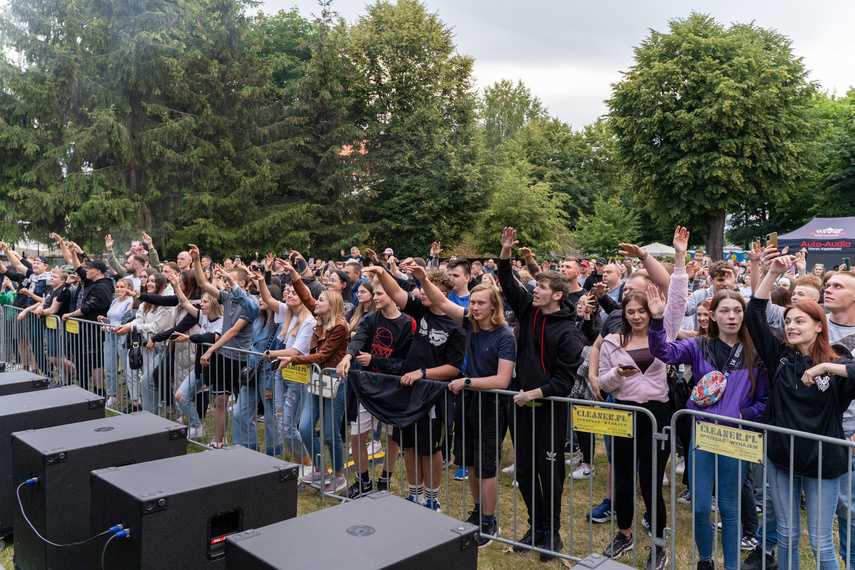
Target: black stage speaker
{"x": 180, "y": 510}
{"x": 19, "y": 381}
{"x": 378, "y": 531}
{"x": 35, "y": 410}
{"x": 63, "y": 458}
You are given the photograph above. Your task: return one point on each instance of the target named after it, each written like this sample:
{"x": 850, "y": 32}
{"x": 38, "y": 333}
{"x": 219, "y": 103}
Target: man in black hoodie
{"x": 97, "y": 295}
{"x": 549, "y": 350}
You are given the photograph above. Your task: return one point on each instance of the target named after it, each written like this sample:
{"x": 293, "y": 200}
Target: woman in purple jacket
{"x": 726, "y": 349}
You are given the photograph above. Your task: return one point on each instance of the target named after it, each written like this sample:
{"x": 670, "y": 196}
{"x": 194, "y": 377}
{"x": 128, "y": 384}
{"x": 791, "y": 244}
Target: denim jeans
{"x": 845, "y": 511}
{"x": 111, "y": 362}
{"x": 333, "y": 414}
{"x": 702, "y": 477}
{"x": 820, "y": 516}
{"x": 293, "y": 396}
{"x": 186, "y": 405}
{"x": 244, "y": 431}
{"x": 148, "y": 389}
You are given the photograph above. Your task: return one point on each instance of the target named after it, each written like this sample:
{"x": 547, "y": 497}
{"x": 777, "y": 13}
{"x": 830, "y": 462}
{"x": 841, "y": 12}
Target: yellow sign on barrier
{"x": 50, "y": 322}
{"x": 296, "y": 374}
{"x": 590, "y": 419}
{"x": 731, "y": 442}
{"x": 72, "y": 326}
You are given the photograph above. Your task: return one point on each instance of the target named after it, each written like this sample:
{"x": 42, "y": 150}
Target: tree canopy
{"x": 709, "y": 117}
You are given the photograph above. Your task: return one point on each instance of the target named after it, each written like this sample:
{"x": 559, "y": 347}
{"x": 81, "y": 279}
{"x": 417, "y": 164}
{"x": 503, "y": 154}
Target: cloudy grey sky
{"x": 570, "y": 52}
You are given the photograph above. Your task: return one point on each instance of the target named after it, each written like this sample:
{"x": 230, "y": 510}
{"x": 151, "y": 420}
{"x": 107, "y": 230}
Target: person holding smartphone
{"x": 634, "y": 376}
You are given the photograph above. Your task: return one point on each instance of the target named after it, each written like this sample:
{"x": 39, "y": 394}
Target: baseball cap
{"x": 601, "y": 261}
{"x": 388, "y": 251}
{"x": 585, "y": 263}
{"x": 97, "y": 264}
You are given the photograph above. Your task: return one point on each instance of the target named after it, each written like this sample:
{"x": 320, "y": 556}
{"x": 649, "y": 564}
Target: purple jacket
{"x": 737, "y": 397}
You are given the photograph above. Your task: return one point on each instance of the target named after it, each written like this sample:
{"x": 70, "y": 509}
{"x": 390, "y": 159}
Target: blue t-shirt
{"x": 484, "y": 349}
{"x": 459, "y": 301}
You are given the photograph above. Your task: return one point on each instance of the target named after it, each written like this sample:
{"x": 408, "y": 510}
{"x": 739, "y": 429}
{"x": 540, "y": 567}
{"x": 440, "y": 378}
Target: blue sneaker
{"x": 462, "y": 474}
{"x": 433, "y": 505}
{"x": 603, "y": 513}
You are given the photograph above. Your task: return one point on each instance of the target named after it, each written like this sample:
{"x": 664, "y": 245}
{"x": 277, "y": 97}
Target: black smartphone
{"x": 626, "y": 367}
{"x": 173, "y": 336}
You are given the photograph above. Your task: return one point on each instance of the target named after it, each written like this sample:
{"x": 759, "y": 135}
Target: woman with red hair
{"x": 809, "y": 394}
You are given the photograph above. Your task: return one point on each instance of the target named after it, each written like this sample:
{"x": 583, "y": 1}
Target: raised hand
{"x": 108, "y": 242}
{"x": 781, "y": 264}
{"x": 435, "y": 249}
{"x": 194, "y": 252}
{"x": 267, "y": 262}
{"x": 417, "y": 270}
{"x": 756, "y": 251}
{"x": 630, "y": 250}
{"x": 286, "y": 264}
{"x": 295, "y": 255}
{"x": 600, "y": 289}
{"x": 374, "y": 270}
{"x": 525, "y": 252}
{"x": 509, "y": 238}
{"x": 256, "y": 276}
{"x": 57, "y": 238}
{"x": 681, "y": 240}
{"x": 372, "y": 256}
{"x": 692, "y": 269}
{"x": 146, "y": 239}
{"x": 655, "y": 301}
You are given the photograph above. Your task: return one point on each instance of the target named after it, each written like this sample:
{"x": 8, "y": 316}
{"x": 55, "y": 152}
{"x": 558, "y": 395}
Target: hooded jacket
{"x": 738, "y": 398}
{"x": 796, "y": 406}
{"x": 549, "y": 349}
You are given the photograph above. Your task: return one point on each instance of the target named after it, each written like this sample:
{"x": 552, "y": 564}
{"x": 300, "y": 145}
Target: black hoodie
{"x": 549, "y": 349}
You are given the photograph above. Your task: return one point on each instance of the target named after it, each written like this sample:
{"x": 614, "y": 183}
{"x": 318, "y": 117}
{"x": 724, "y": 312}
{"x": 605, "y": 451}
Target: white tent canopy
{"x": 657, "y": 249}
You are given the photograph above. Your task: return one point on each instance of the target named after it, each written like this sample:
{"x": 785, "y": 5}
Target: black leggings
{"x": 625, "y": 470}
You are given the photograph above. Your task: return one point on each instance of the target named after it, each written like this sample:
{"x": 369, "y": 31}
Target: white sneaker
{"x": 509, "y": 470}
{"x": 681, "y": 466}
{"x": 575, "y": 460}
{"x": 307, "y": 474}
{"x": 375, "y": 448}
{"x": 196, "y": 432}
{"x": 111, "y": 402}
{"x": 665, "y": 479}
{"x": 350, "y": 449}
{"x": 583, "y": 472}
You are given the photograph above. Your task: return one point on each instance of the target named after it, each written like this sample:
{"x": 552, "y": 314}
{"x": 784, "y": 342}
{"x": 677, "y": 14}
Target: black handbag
{"x": 679, "y": 389}
{"x": 135, "y": 356}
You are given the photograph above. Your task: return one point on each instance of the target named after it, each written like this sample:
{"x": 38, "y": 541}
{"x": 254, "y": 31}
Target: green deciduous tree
{"x": 519, "y": 200}
{"x": 506, "y": 107}
{"x": 421, "y": 135}
{"x": 709, "y": 117}
{"x": 612, "y": 222}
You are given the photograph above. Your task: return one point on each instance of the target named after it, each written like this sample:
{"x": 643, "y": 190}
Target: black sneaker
{"x": 383, "y": 484}
{"x": 488, "y": 531}
{"x": 754, "y": 561}
{"x": 706, "y": 565}
{"x": 359, "y": 488}
{"x": 474, "y": 517}
{"x": 526, "y": 540}
{"x": 657, "y": 559}
{"x": 619, "y": 544}
{"x": 552, "y": 541}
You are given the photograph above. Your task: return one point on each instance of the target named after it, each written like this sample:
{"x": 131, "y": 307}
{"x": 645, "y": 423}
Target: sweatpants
{"x": 539, "y": 459}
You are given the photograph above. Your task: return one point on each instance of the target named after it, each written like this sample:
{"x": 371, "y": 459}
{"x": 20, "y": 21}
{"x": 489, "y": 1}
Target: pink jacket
{"x": 653, "y": 384}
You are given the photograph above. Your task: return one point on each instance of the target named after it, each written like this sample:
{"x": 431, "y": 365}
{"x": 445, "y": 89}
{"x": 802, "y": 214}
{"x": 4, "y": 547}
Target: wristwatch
{"x": 424, "y": 373}
{"x": 467, "y": 382}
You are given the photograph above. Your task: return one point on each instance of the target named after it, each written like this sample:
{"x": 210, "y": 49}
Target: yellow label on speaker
{"x": 72, "y": 326}
{"x": 50, "y": 322}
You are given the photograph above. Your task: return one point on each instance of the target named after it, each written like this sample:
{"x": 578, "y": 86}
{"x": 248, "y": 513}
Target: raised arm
{"x": 111, "y": 257}
{"x": 70, "y": 258}
{"x": 657, "y": 273}
{"x": 390, "y": 286}
{"x": 15, "y": 259}
{"x": 436, "y": 297}
{"x": 201, "y": 280}
{"x": 182, "y": 298}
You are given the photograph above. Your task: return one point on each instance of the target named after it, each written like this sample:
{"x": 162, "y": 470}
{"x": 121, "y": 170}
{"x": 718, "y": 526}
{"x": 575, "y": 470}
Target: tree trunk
{"x": 714, "y": 240}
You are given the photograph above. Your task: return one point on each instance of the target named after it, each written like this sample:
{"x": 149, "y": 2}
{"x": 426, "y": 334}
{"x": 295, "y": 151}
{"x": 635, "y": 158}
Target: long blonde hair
{"x": 302, "y": 313}
{"x": 336, "y": 309}
{"x": 497, "y": 318}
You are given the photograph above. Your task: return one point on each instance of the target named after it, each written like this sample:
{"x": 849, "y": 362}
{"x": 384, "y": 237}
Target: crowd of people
{"x": 454, "y": 356}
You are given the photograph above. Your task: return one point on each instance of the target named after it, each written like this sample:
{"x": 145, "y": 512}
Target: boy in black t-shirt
{"x": 437, "y": 353}
{"x": 386, "y": 334}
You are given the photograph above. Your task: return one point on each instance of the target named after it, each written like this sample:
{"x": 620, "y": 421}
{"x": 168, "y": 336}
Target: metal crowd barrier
{"x": 86, "y": 353}
{"x": 747, "y": 442}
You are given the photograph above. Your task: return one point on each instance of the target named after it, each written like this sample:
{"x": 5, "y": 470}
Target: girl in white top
{"x": 114, "y": 349}
{"x": 294, "y": 340}
{"x": 149, "y": 320}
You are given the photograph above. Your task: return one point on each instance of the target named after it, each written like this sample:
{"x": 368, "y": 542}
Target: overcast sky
{"x": 569, "y": 52}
